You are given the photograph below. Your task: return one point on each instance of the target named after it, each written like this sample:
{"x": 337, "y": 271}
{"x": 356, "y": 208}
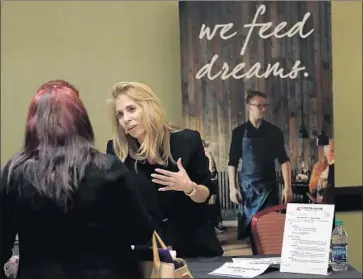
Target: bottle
{"x": 339, "y": 247}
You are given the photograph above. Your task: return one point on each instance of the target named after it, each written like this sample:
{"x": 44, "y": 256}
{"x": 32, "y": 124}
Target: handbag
{"x": 163, "y": 264}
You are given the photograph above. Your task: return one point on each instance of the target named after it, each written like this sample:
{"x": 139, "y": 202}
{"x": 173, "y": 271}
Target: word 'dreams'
{"x": 256, "y": 70}
{"x": 265, "y": 31}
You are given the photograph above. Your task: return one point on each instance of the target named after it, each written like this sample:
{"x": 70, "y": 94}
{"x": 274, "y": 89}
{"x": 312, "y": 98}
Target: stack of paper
{"x": 243, "y": 269}
{"x": 267, "y": 260}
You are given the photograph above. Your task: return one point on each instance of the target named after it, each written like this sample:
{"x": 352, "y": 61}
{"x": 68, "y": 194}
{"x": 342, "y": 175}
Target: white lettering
{"x": 263, "y": 27}
{"x": 206, "y": 69}
{"x": 225, "y": 29}
{"x": 255, "y": 71}
{"x": 206, "y": 31}
{"x": 265, "y": 30}
{"x": 261, "y": 10}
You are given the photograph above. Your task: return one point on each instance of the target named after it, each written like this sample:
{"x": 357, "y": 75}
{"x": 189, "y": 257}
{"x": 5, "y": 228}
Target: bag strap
{"x": 161, "y": 242}
{"x": 156, "y": 258}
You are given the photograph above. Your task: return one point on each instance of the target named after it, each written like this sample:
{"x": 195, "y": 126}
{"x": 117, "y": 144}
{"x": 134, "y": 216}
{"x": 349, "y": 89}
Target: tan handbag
{"x": 159, "y": 269}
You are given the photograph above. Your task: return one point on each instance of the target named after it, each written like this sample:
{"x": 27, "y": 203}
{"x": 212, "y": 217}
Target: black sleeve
{"x": 199, "y": 168}
{"x": 280, "y": 148}
{"x": 7, "y": 216}
{"x": 109, "y": 148}
{"x": 235, "y": 149}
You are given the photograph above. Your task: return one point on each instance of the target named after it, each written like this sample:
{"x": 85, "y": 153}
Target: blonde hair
{"x": 156, "y": 145}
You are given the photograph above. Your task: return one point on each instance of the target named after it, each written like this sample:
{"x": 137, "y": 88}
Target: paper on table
{"x": 265, "y": 260}
{"x": 243, "y": 270}
{"x": 306, "y": 240}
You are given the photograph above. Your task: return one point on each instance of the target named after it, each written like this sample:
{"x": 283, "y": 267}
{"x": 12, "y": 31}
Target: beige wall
{"x": 95, "y": 44}
{"x": 353, "y": 224}
{"x": 347, "y": 89}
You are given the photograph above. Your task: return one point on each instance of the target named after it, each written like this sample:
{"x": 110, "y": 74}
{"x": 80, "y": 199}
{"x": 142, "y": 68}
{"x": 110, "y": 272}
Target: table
{"x": 200, "y": 268}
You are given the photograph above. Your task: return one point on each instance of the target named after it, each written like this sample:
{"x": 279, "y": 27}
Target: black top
{"x": 92, "y": 240}
{"x": 267, "y": 131}
{"x": 182, "y": 223}
{"x": 187, "y": 145}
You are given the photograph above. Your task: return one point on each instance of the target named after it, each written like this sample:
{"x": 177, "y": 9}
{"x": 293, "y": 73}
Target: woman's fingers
{"x": 164, "y": 172}
{"x": 167, "y": 188}
{"x": 161, "y": 177}
{"x": 161, "y": 182}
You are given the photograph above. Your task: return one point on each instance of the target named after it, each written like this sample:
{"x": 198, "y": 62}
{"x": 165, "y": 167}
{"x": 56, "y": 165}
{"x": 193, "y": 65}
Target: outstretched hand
{"x": 173, "y": 181}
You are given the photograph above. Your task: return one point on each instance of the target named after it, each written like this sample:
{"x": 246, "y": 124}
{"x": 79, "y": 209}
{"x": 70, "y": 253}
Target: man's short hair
{"x": 254, "y": 93}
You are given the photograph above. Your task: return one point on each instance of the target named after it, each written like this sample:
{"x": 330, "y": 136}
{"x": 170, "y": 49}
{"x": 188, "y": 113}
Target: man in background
{"x": 258, "y": 143}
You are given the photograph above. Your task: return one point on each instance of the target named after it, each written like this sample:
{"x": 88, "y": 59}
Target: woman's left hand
{"x": 175, "y": 181}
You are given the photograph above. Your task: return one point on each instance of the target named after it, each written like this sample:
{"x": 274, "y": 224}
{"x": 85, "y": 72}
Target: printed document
{"x": 306, "y": 240}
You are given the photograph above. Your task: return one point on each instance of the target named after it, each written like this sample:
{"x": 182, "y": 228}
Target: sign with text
{"x": 307, "y": 235}
{"x": 282, "y": 49}
{"x": 264, "y": 31}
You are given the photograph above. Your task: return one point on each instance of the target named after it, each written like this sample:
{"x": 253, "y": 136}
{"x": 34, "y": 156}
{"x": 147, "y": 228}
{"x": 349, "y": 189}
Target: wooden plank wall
{"x": 216, "y": 107}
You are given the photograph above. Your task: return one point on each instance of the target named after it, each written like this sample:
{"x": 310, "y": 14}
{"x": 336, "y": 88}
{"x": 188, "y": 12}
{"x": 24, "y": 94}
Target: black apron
{"x": 258, "y": 181}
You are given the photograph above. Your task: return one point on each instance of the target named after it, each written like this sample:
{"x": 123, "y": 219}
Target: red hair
{"x": 56, "y": 115}
{"x": 59, "y": 143}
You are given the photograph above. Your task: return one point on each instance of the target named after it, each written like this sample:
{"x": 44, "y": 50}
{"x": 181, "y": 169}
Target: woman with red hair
{"x": 66, "y": 200}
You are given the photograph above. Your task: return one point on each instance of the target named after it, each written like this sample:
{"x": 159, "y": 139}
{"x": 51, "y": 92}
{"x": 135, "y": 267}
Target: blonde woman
{"x": 171, "y": 167}
{"x": 320, "y": 165}
{"x": 327, "y": 178}
{"x": 326, "y": 187}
